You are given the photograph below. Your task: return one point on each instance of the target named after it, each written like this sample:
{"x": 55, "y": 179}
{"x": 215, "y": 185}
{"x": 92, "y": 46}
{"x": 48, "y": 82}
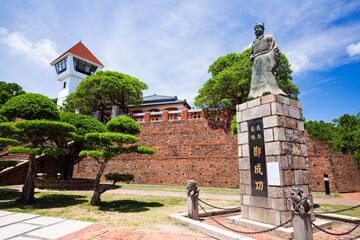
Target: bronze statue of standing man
{"x": 265, "y": 55}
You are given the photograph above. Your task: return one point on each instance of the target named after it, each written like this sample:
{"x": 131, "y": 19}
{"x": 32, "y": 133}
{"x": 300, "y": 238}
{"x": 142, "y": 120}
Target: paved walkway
{"x": 19, "y": 226}
{"x": 102, "y": 232}
{"x": 350, "y": 199}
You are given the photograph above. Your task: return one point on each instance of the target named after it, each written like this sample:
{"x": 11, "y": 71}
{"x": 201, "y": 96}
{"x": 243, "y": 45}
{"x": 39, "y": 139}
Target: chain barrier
{"x": 337, "y": 234}
{"x": 230, "y": 208}
{"x": 244, "y": 232}
{"x": 343, "y": 210}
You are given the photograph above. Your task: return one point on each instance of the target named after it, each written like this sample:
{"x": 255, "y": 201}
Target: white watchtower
{"x": 72, "y": 67}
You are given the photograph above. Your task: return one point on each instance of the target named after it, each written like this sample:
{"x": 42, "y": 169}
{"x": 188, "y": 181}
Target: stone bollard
{"x": 193, "y": 199}
{"x": 301, "y": 215}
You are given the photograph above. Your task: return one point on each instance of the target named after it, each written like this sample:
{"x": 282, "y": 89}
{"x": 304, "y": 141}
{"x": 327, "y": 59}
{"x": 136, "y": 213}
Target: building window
{"x": 171, "y": 109}
{"x": 137, "y": 111}
{"x": 84, "y": 67}
{"x": 61, "y": 66}
{"x": 153, "y": 110}
{"x": 64, "y": 85}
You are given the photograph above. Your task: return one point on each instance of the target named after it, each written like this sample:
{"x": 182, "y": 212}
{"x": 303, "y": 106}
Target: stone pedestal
{"x": 302, "y": 227}
{"x": 272, "y": 157}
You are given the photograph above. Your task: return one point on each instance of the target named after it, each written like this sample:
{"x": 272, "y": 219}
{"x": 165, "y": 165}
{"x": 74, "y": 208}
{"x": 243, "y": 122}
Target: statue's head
{"x": 191, "y": 187}
{"x": 259, "y": 29}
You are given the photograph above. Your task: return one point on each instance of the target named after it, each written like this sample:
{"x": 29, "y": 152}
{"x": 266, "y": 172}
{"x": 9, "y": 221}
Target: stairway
{"x": 14, "y": 174}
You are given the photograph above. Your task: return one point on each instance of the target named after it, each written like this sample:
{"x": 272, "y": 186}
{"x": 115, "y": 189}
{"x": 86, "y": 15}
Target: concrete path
{"x": 350, "y": 199}
{"x": 20, "y": 226}
{"x": 175, "y": 194}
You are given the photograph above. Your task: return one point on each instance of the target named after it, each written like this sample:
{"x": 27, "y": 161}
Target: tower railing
{"x": 179, "y": 115}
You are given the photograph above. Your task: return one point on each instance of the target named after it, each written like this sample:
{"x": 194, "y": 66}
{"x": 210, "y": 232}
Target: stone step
{"x": 282, "y": 232}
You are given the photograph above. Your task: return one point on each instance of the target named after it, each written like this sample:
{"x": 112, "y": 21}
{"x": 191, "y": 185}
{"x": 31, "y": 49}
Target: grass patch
{"x": 323, "y": 195}
{"x": 330, "y": 208}
{"x": 148, "y": 212}
{"x": 176, "y": 189}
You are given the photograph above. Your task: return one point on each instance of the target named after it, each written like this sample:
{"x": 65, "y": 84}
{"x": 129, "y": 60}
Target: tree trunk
{"x": 69, "y": 160}
{"x": 65, "y": 168}
{"x": 27, "y": 195}
{"x": 95, "y": 200}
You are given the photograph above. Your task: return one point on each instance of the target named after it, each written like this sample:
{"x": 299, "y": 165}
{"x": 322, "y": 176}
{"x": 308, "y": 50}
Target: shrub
{"x": 118, "y": 177}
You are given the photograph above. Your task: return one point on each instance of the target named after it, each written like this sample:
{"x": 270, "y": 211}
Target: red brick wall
{"x": 342, "y": 170}
{"x": 17, "y": 175}
{"x": 318, "y": 165}
{"x": 318, "y": 147}
{"x": 193, "y": 149}
{"x": 347, "y": 173}
{"x": 188, "y": 149}
{"x": 14, "y": 176}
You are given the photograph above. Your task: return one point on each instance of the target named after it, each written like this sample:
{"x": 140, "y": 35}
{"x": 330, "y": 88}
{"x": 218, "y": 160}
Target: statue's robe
{"x": 266, "y": 57}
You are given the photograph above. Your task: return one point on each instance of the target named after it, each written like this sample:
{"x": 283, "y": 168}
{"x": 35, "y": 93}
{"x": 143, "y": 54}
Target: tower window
{"x": 84, "y": 67}
{"x": 64, "y": 85}
{"x": 60, "y": 66}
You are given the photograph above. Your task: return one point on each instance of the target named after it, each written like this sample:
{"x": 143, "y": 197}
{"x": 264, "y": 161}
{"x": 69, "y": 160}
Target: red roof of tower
{"x": 81, "y": 51}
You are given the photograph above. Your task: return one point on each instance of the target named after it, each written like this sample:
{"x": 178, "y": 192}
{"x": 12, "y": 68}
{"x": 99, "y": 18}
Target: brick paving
{"x": 317, "y": 234}
{"x": 102, "y": 232}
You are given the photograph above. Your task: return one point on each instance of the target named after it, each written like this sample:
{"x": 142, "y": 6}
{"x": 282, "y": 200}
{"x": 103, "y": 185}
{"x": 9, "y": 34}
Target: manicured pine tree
{"x": 104, "y": 146}
{"x": 84, "y": 124}
{"x": 37, "y": 128}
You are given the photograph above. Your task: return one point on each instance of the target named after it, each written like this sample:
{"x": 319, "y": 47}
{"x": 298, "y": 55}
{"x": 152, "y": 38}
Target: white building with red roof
{"x": 72, "y": 67}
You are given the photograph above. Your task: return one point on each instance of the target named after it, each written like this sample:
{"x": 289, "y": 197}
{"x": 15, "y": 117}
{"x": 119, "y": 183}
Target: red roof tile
{"x": 81, "y": 51}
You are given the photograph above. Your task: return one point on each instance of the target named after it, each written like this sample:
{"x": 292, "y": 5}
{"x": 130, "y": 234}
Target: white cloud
{"x": 41, "y": 52}
{"x": 353, "y": 49}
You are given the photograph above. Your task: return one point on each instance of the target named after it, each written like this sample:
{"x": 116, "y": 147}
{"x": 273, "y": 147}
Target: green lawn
{"x": 148, "y": 212}
{"x": 323, "y": 195}
{"x": 331, "y": 208}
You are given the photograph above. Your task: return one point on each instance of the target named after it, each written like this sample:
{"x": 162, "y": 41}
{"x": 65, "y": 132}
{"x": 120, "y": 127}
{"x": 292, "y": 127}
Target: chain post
{"x": 193, "y": 200}
{"x": 301, "y": 220}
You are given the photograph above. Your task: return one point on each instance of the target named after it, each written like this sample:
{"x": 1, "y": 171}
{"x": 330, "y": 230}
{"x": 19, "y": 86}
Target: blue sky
{"x": 170, "y": 44}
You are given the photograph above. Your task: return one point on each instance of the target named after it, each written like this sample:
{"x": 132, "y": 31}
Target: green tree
{"x": 30, "y": 106}
{"x": 9, "y": 90}
{"x": 233, "y": 126}
{"x": 321, "y": 130}
{"x": 105, "y": 146}
{"x": 37, "y": 133}
{"x": 347, "y": 135}
{"x": 343, "y": 135}
{"x": 231, "y": 80}
{"x": 84, "y": 124}
{"x": 34, "y": 132}
{"x": 7, "y": 130}
{"x": 104, "y": 89}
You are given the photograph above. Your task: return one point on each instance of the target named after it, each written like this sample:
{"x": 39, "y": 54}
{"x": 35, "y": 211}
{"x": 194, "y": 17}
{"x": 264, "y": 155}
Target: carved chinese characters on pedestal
{"x": 257, "y": 158}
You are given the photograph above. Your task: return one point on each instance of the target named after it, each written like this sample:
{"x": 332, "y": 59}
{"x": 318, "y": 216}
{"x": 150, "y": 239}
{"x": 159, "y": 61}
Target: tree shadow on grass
{"x": 9, "y": 194}
{"x": 43, "y": 202}
{"x": 126, "y": 206}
